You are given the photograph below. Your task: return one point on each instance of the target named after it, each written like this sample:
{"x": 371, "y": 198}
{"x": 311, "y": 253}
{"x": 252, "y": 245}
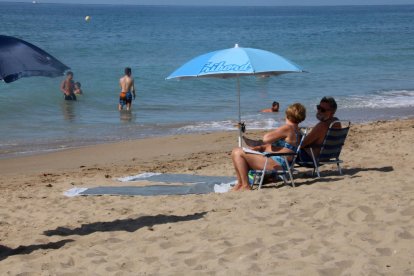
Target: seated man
{"x": 325, "y": 114}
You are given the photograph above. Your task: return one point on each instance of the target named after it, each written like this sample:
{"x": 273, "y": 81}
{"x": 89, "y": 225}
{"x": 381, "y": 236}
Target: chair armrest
{"x": 312, "y": 147}
{"x": 280, "y": 154}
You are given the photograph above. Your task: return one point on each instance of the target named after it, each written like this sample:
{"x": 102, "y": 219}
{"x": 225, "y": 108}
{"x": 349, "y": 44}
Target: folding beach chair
{"x": 258, "y": 176}
{"x": 330, "y": 149}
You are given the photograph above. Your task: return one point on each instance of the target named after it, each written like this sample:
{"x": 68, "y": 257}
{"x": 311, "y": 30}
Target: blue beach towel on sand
{"x": 191, "y": 184}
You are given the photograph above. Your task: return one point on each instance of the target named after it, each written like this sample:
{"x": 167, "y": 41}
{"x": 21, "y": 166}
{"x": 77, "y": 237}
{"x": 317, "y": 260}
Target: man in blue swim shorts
{"x": 127, "y": 86}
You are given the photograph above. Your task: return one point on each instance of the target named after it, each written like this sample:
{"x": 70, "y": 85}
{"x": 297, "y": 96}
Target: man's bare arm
{"x": 313, "y": 135}
{"x": 62, "y": 86}
{"x": 133, "y": 88}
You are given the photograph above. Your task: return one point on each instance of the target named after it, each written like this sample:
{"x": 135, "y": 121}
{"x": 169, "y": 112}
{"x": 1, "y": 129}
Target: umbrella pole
{"x": 240, "y": 129}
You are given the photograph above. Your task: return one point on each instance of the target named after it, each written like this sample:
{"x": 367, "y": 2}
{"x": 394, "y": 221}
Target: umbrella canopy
{"x": 19, "y": 58}
{"x": 236, "y": 62}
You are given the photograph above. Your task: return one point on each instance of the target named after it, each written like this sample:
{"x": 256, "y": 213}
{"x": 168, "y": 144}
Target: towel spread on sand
{"x": 187, "y": 184}
{"x": 177, "y": 178}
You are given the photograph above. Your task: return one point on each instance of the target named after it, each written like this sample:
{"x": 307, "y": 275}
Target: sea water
{"x": 361, "y": 55}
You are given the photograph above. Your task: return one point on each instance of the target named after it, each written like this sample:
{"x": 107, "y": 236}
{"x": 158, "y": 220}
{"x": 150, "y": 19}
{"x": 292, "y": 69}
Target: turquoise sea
{"x": 361, "y": 55}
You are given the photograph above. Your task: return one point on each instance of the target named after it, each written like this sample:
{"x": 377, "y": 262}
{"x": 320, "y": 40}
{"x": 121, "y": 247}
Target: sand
{"x": 361, "y": 223}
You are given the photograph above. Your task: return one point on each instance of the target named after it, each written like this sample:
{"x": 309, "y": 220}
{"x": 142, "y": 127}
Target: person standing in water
{"x": 127, "y": 90}
{"x": 77, "y": 89}
{"x": 67, "y": 87}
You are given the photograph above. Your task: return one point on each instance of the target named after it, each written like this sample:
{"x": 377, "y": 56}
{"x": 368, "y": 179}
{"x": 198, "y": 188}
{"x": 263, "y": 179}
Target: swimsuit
{"x": 281, "y": 161}
{"x": 68, "y": 87}
{"x": 125, "y": 98}
{"x": 286, "y": 145}
{"x": 70, "y": 97}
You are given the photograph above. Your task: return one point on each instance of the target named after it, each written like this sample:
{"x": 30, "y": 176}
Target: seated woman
{"x": 284, "y": 139}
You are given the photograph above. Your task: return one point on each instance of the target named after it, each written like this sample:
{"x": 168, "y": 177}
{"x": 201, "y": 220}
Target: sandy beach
{"x": 360, "y": 223}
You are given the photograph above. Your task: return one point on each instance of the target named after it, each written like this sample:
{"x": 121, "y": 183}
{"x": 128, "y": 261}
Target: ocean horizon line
{"x": 204, "y": 5}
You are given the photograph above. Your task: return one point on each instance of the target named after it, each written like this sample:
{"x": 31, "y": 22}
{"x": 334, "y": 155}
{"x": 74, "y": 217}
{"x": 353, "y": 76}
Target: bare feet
{"x": 245, "y": 188}
{"x": 236, "y": 187}
{"x": 241, "y": 188}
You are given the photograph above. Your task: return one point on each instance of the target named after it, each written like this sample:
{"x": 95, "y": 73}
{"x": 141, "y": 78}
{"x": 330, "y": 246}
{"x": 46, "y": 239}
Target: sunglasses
{"x": 321, "y": 109}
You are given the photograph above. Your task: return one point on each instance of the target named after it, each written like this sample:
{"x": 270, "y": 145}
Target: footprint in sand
{"x": 96, "y": 253}
{"x": 323, "y": 213}
{"x": 114, "y": 240}
{"x": 166, "y": 245}
{"x": 339, "y": 268}
{"x": 362, "y": 213}
{"x": 384, "y": 251}
{"x": 99, "y": 261}
{"x": 406, "y": 235}
{"x": 408, "y": 212}
{"x": 67, "y": 262}
{"x": 151, "y": 260}
{"x": 312, "y": 249}
{"x": 200, "y": 260}
{"x": 191, "y": 261}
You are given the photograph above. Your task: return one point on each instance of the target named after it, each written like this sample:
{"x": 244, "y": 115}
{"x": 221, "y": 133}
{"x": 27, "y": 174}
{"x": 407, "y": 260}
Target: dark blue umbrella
{"x": 19, "y": 59}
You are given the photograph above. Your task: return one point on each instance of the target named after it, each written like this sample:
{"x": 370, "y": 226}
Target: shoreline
{"x": 122, "y": 151}
{"x": 22, "y": 149}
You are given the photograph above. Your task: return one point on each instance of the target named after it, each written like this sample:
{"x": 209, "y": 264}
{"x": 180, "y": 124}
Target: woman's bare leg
{"x": 240, "y": 166}
{"x": 243, "y": 162}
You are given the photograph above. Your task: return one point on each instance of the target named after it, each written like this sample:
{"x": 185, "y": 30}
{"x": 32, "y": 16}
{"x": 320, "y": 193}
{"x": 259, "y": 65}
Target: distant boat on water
{"x": 34, "y": 2}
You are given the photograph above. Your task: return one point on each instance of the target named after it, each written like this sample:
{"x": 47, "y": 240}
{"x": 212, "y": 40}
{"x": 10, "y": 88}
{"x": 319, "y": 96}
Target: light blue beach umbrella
{"x": 236, "y": 62}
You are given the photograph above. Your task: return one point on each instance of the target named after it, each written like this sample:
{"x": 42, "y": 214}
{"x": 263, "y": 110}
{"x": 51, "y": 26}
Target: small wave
{"x": 208, "y": 126}
{"x": 7, "y": 144}
{"x": 227, "y": 125}
{"x": 381, "y": 99}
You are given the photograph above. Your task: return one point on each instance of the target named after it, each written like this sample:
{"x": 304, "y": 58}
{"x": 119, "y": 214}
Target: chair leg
{"x": 315, "y": 164}
{"x": 254, "y": 181}
{"x": 284, "y": 179}
{"x": 290, "y": 172}
{"x": 317, "y": 172}
{"x": 263, "y": 174}
{"x": 339, "y": 168}
{"x": 293, "y": 182}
